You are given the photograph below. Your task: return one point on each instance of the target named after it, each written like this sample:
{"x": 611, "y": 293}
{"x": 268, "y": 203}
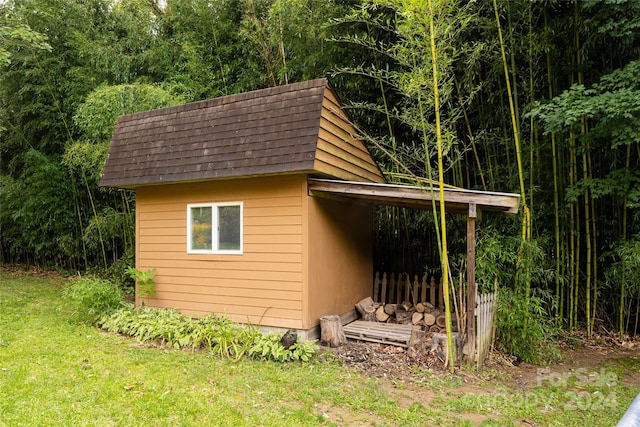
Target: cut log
{"x": 416, "y": 317}
{"x": 331, "y": 332}
{"x": 381, "y": 316}
{"x": 406, "y": 305}
{"x": 420, "y": 307}
{"x": 417, "y": 343}
{"x": 361, "y": 306}
{"x": 439, "y": 343}
{"x": 429, "y": 319}
{"x": 441, "y": 321}
{"x": 403, "y": 316}
{"x": 390, "y": 309}
{"x": 428, "y": 306}
{"x": 369, "y": 314}
{"x": 434, "y": 329}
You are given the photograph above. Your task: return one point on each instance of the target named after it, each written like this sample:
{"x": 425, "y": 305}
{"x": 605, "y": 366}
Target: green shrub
{"x": 117, "y": 272}
{"x": 269, "y": 347}
{"x": 524, "y": 329}
{"x": 144, "y": 280}
{"x": 93, "y": 298}
{"x": 216, "y": 334}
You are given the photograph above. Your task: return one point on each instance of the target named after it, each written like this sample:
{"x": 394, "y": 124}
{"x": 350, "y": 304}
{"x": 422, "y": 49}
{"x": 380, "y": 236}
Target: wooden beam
{"x": 456, "y": 200}
{"x": 471, "y": 281}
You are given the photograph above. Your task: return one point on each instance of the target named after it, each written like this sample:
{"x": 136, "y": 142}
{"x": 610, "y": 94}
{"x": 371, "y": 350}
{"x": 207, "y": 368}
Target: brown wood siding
{"x": 339, "y": 152}
{"x": 340, "y": 257}
{"x": 264, "y": 284}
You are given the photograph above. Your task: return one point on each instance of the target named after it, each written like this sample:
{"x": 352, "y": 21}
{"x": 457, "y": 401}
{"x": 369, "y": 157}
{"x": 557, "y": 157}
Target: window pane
{"x": 201, "y": 228}
{"x": 229, "y": 228}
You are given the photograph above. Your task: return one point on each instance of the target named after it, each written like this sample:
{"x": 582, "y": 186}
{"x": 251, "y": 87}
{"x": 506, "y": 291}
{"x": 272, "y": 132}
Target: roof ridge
{"x": 228, "y": 99}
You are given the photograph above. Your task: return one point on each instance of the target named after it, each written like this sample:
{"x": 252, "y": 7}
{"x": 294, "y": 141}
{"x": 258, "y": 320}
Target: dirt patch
{"x": 386, "y": 361}
{"x": 586, "y": 359}
{"x": 412, "y": 378}
{"x": 23, "y": 270}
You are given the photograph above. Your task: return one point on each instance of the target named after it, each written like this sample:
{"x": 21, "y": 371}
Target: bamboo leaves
{"x": 423, "y": 42}
{"x": 17, "y": 36}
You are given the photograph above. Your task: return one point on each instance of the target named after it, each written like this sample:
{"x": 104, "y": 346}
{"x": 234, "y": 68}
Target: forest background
{"x": 540, "y": 98}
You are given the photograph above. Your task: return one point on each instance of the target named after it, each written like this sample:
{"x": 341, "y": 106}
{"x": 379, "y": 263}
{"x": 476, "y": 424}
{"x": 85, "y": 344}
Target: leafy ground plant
{"x": 144, "y": 280}
{"x": 92, "y": 298}
{"x": 215, "y": 334}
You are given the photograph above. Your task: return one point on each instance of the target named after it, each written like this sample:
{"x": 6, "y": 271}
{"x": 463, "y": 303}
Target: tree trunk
{"x": 331, "y": 331}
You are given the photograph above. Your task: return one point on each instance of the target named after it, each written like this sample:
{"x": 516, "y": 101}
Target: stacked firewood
{"x": 423, "y": 314}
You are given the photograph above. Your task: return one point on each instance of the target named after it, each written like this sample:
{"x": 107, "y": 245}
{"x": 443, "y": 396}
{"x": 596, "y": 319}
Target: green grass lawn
{"x": 56, "y": 371}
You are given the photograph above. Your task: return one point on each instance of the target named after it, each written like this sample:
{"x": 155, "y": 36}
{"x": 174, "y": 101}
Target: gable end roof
{"x": 263, "y": 132}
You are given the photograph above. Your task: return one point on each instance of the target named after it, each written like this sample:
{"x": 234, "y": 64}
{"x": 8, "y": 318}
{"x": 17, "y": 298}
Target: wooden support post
{"x": 471, "y": 281}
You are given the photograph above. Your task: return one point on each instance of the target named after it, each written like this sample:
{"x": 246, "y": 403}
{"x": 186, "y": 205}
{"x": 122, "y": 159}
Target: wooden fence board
{"x": 423, "y": 286}
{"x": 485, "y": 310}
{"x": 389, "y": 288}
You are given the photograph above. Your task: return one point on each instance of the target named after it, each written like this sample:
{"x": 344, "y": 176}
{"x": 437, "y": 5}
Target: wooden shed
{"x": 223, "y": 210}
{"x": 259, "y": 206}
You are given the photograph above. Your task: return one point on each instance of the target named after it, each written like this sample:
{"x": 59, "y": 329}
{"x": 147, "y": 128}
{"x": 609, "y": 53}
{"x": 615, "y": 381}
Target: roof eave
{"x": 132, "y": 184}
{"x": 456, "y": 200}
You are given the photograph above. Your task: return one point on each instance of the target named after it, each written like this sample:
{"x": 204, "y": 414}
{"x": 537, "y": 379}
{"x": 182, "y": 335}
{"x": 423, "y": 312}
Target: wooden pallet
{"x": 385, "y": 333}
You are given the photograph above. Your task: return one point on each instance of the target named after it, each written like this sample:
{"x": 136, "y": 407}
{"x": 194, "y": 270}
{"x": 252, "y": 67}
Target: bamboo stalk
{"x": 622, "y": 261}
{"x": 443, "y": 224}
{"x": 556, "y": 205}
{"x": 576, "y": 286}
{"x": 572, "y": 242}
{"x": 587, "y": 230}
{"x": 95, "y": 216}
{"x": 471, "y": 138}
{"x": 532, "y": 100}
{"x": 516, "y": 137}
{"x": 585, "y": 176}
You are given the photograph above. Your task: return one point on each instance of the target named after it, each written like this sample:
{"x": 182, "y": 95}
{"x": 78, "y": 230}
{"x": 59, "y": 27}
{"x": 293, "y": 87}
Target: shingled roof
{"x": 296, "y": 128}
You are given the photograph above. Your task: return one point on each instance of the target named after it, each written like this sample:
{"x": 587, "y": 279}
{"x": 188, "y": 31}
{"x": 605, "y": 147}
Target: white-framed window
{"x": 214, "y": 228}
